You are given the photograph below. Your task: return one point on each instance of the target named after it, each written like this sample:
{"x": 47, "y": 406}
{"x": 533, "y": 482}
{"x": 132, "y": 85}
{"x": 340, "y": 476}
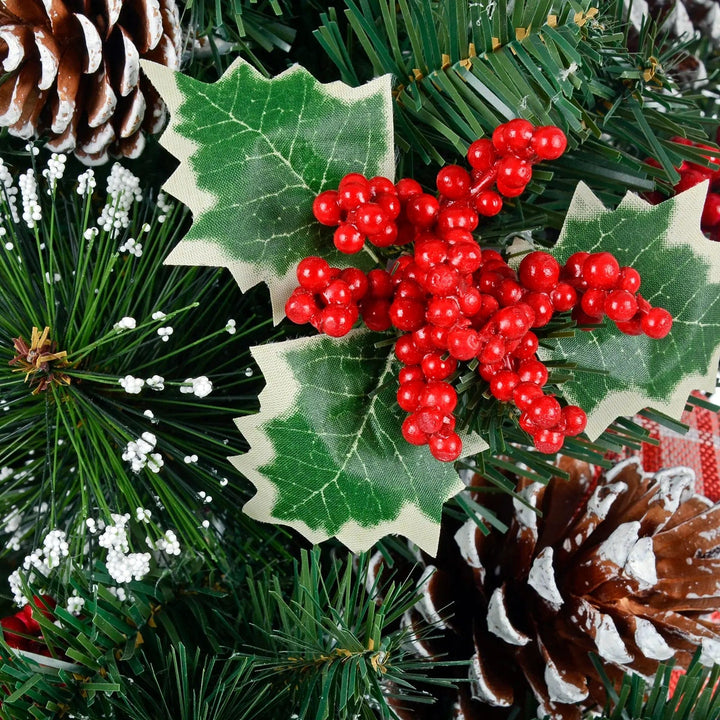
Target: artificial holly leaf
{"x": 327, "y": 455}
{"x": 680, "y": 271}
{"x": 254, "y": 152}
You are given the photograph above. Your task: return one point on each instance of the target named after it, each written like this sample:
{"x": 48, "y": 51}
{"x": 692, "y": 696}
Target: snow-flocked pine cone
{"x": 629, "y": 572}
{"x": 74, "y": 72}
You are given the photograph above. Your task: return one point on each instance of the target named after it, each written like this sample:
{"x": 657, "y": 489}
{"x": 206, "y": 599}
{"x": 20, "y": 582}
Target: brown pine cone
{"x": 74, "y": 72}
{"x": 629, "y": 572}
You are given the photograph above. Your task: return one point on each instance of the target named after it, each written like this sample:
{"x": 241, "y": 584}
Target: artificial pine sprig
{"x": 119, "y": 378}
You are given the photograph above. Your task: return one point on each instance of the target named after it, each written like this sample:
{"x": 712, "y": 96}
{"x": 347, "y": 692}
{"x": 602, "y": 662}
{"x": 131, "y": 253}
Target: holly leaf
{"x": 254, "y": 152}
{"x": 680, "y": 271}
{"x": 326, "y": 452}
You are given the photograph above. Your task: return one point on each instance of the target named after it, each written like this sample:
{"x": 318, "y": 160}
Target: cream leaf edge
{"x": 181, "y": 184}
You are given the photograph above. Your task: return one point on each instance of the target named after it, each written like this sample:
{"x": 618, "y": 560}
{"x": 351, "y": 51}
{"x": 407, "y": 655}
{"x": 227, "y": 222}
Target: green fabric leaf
{"x": 327, "y": 455}
{"x": 255, "y": 152}
{"x": 680, "y": 270}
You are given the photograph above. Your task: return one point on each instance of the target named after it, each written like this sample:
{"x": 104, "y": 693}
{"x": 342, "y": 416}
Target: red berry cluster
{"x": 598, "y": 286}
{"x": 454, "y": 301}
{"x": 387, "y": 214}
{"x": 692, "y": 174}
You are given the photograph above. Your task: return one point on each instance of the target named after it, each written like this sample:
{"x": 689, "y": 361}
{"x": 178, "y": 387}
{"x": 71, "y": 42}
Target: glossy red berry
{"x": 503, "y": 383}
{"x": 406, "y": 314}
{"x": 410, "y": 373}
{"x": 548, "y": 441}
{"x": 542, "y": 305}
{"x": 409, "y": 290}
{"x": 518, "y": 137}
{"x": 498, "y": 139}
{"x": 407, "y": 352}
{"x": 352, "y": 195}
{"x": 527, "y": 347}
{"x": 348, "y": 239}
{"x": 539, "y": 271}
{"x": 380, "y": 185}
{"x": 408, "y": 395}
{"x": 390, "y": 203}
{"x": 445, "y": 447}
{"x": 313, "y": 273}
{"x": 563, "y": 297}
{"x": 572, "y": 271}
{"x": 620, "y": 305}
{"x": 357, "y": 282}
{"x": 443, "y": 311}
{"x": 493, "y": 351}
{"x": 533, "y": 371}
{"x": 465, "y": 257}
{"x": 629, "y": 280}
{"x": 439, "y": 394}
{"x": 370, "y": 218}
{"x": 463, "y": 343}
{"x": 514, "y": 172}
{"x": 456, "y": 217}
{"x": 575, "y": 420}
{"x": 632, "y": 326}
{"x": 411, "y": 431}
{"x": 481, "y": 155}
{"x": 549, "y": 142}
{"x": 511, "y": 322}
{"x": 489, "y": 203}
{"x": 711, "y": 211}
{"x": 431, "y": 252}
{"x": 601, "y": 271}
{"x": 338, "y": 292}
{"x": 422, "y": 210}
{"x": 407, "y": 187}
{"x": 509, "y": 191}
{"x": 354, "y": 179}
{"x": 545, "y": 411}
{"x": 525, "y": 394}
{"x": 428, "y": 419}
{"x": 376, "y": 314}
{"x": 337, "y": 320}
{"x": 436, "y": 366}
{"x": 657, "y": 323}
{"x": 326, "y": 209}
{"x": 509, "y": 292}
{"x": 301, "y": 306}
{"x": 592, "y": 303}
{"x": 423, "y": 339}
{"x": 453, "y": 182}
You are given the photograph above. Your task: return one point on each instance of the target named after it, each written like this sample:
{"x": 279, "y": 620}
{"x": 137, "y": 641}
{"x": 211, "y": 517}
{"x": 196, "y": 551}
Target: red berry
{"x": 370, "y": 218}
{"x": 326, "y": 209}
{"x": 313, "y": 273}
{"x": 563, "y": 297}
{"x": 601, "y": 270}
{"x": 439, "y": 394}
{"x": 632, "y": 326}
{"x": 380, "y": 185}
{"x": 527, "y": 424}
{"x": 545, "y": 411}
{"x": 539, "y": 271}
{"x": 443, "y": 311}
{"x": 423, "y": 339}
{"x": 575, "y": 420}
{"x": 409, "y": 290}
{"x": 493, "y": 351}
{"x": 337, "y": 320}
{"x": 453, "y": 182}
{"x": 436, "y": 367}
{"x": 446, "y": 448}
{"x": 442, "y": 280}
{"x": 380, "y": 284}
{"x": 337, "y": 292}
{"x": 711, "y": 211}
{"x": 509, "y": 191}
{"x": 503, "y": 383}
{"x": 357, "y": 282}
{"x": 407, "y": 187}
{"x": 465, "y": 257}
{"x": 489, "y": 255}
{"x": 390, "y": 203}
{"x": 518, "y": 137}
{"x": 470, "y": 301}
{"x": 428, "y": 419}
{"x": 549, "y": 142}
{"x": 407, "y": 352}
{"x": 514, "y": 172}
{"x": 410, "y": 373}
{"x": 354, "y": 179}
{"x": 407, "y": 315}
{"x": 411, "y": 431}
{"x": 429, "y": 253}
{"x": 386, "y": 237}
{"x": 593, "y": 303}
{"x": 533, "y": 371}
{"x": 511, "y": 322}
{"x": 528, "y": 346}
{"x": 657, "y": 323}
{"x": 352, "y": 195}
{"x": 438, "y": 336}
{"x": 457, "y": 236}
{"x": 376, "y": 314}
{"x": 481, "y": 155}
{"x": 542, "y": 305}
{"x": 422, "y": 210}
{"x": 348, "y": 239}
{"x": 460, "y": 217}
{"x": 301, "y": 306}
{"x": 525, "y": 394}
{"x": 510, "y": 292}
{"x": 572, "y": 271}
{"x": 408, "y": 395}
{"x": 689, "y": 179}
{"x": 620, "y": 305}
{"x": 463, "y": 343}
{"x": 489, "y": 203}
{"x": 548, "y": 441}
{"x": 498, "y": 139}
{"x": 629, "y": 279}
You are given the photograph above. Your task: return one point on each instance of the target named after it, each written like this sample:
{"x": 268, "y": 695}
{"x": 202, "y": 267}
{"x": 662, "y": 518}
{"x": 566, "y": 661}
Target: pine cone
{"x": 74, "y": 72}
{"x": 629, "y": 572}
